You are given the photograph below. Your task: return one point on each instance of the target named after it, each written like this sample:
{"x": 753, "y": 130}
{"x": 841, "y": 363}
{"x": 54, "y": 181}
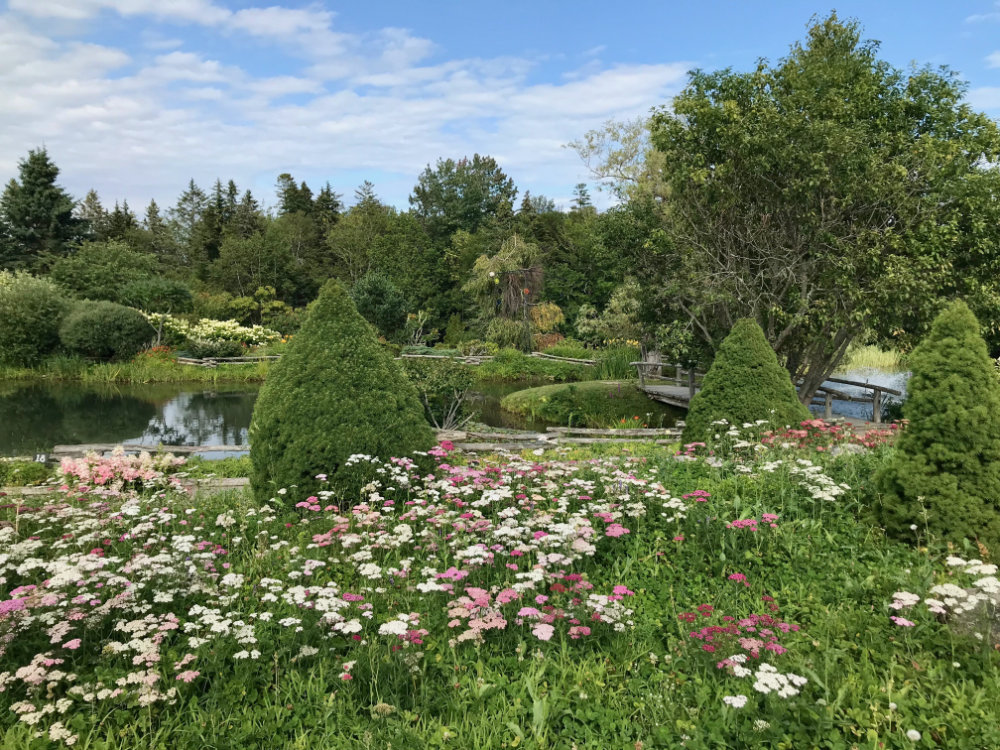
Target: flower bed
{"x": 728, "y": 603}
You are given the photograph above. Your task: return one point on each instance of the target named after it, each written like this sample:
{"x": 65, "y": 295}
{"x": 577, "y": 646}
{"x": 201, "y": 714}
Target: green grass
{"x": 596, "y": 403}
{"x": 200, "y": 468}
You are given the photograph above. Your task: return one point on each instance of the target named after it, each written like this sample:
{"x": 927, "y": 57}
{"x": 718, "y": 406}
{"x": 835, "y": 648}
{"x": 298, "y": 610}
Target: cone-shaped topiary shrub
{"x": 334, "y": 393}
{"x": 744, "y": 384}
{"x": 945, "y": 475}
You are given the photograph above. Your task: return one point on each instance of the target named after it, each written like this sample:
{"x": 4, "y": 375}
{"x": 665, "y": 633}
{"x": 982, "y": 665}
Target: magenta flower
{"x": 72, "y": 645}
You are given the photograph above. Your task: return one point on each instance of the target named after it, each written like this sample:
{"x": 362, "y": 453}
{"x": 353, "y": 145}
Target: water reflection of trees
{"x": 33, "y": 418}
{"x": 203, "y": 418}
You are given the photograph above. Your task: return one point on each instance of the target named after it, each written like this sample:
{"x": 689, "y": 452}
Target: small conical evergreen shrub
{"x": 945, "y": 476}
{"x": 335, "y": 392}
{"x": 744, "y": 384}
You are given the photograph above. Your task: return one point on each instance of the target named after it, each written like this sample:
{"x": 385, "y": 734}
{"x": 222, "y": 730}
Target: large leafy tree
{"x": 827, "y": 196}
{"x": 463, "y": 194}
{"x": 36, "y": 214}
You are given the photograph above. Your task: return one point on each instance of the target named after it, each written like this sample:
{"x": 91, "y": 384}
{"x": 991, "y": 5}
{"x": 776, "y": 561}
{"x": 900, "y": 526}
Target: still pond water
{"x": 36, "y": 417}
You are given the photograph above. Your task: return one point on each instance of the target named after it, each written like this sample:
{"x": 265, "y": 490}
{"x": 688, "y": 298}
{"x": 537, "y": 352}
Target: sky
{"x": 136, "y": 97}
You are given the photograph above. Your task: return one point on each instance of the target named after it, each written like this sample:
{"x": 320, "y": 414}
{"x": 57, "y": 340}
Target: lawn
{"x": 608, "y": 599}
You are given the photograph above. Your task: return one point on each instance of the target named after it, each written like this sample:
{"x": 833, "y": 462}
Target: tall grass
{"x": 872, "y": 358}
{"x": 615, "y": 362}
{"x": 141, "y": 369}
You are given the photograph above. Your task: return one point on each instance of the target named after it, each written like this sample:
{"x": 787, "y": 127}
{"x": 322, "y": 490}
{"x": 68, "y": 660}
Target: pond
{"x": 35, "y": 417}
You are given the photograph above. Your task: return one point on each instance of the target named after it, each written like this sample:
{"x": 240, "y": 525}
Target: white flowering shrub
{"x": 210, "y": 330}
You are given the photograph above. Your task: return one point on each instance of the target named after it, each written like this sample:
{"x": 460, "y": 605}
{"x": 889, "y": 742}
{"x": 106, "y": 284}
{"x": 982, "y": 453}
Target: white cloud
{"x": 383, "y": 103}
{"x": 993, "y": 59}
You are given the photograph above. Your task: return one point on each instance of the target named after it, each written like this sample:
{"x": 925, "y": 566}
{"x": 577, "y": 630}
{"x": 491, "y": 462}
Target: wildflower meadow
{"x": 625, "y": 598}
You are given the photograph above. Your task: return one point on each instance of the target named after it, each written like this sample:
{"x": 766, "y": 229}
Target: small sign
{"x": 41, "y": 458}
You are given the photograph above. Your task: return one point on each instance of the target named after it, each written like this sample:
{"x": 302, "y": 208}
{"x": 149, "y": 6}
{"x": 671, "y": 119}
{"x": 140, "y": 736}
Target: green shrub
{"x": 285, "y": 321}
{"x": 105, "y": 330}
{"x": 443, "y": 386}
{"x": 103, "y": 270}
{"x": 31, "y": 311}
{"x": 570, "y": 348}
{"x": 509, "y": 364}
{"x": 473, "y": 347}
{"x": 509, "y": 334}
{"x": 382, "y": 304}
{"x": 454, "y": 332}
{"x": 744, "y": 384}
{"x": 157, "y": 295}
{"x": 945, "y": 477}
{"x": 334, "y": 393}
{"x": 23, "y": 473}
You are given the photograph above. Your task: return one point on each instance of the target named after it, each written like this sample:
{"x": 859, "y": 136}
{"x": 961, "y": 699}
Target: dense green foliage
{"x": 31, "y": 310}
{"x": 105, "y": 330}
{"x": 827, "y": 195}
{"x": 744, "y": 384}
{"x": 510, "y": 364}
{"x": 382, "y": 304}
{"x": 334, "y": 393}
{"x": 945, "y": 476}
{"x": 23, "y": 473}
{"x": 104, "y": 270}
{"x": 594, "y": 403}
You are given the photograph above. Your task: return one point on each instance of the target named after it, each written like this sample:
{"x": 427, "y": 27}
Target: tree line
{"x": 832, "y": 197}
{"x": 215, "y": 247}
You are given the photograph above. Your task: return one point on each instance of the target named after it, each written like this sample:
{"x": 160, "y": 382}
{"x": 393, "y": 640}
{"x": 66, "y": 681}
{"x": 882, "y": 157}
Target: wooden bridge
{"x": 679, "y": 390}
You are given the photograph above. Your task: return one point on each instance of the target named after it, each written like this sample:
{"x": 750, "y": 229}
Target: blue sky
{"x": 135, "y": 97}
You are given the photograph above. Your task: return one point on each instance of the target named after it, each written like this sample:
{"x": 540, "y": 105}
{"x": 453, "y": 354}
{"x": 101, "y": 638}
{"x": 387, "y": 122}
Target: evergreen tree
{"x": 293, "y": 198}
{"x": 581, "y": 197}
{"x": 334, "y": 393}
{"x": 184, "y": 217}
{"x": 248, "y": 219}
{"x": 37, "y": 214}
{"x": 230, "y": 203}
{"x": 945, "y": 476}
{"x": 744, "y": 384}
{"x": 92, "y": 214}
{"x": 365, "y": 194}
{"x": 156, "y": 237}
{"x": 120, "y": 224}
{"x": 327, "y": 209}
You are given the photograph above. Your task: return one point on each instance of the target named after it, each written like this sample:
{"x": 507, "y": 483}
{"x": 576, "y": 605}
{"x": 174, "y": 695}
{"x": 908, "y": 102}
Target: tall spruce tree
{"x": 37, "y": 215}
{"x": 945, "y": 477}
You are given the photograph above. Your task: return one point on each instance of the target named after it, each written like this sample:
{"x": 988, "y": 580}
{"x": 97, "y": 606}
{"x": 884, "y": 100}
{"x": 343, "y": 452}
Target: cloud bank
{"x": 137, "y": 119}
